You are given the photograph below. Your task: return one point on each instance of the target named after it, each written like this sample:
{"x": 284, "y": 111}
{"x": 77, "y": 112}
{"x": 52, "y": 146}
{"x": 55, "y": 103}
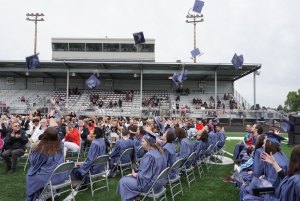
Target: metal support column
{"x": 67, "y": 101}
{"x": 216, "y": 89}
{"x": 141, "y": 92}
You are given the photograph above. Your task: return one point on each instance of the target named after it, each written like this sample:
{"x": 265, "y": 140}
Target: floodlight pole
{"x": 194, "y": 18}
{"x": 35, "y": 17}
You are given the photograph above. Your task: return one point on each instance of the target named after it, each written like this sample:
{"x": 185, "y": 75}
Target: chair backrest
{"x": 189, "y": 160}
{"x": 208, "y": 150}
{"x": 127, "y": 152}
{"x": 63, "y": 168}
{"x": 101, "y": 160}
{"x": 200, "y": 153}
{"x": 177, "y": 164}
{"x": 162, "y": 175}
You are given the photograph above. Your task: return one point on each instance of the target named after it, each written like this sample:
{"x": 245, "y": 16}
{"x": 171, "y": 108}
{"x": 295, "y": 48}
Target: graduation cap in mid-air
{"x": 198, "y": 5}
{"x": 196, "y": 52}
{"x": 285, "y": 125}
{"x": 32, "y": 61}
{"x": 160, "y": 125}
{"x": 92, "y": 82}
{"x": 139, "y": 38}
{"x": 237, "y": 61}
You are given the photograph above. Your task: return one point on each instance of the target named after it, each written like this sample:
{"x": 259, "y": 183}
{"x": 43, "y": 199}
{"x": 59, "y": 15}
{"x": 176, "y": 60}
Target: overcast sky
{"x": 264, "y": 31}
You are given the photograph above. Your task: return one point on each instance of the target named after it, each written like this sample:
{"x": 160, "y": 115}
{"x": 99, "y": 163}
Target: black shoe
{"x": 12, "y": 171}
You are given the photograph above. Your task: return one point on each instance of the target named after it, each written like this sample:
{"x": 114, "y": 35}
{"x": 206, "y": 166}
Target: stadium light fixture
{"x": 37, "y": 17}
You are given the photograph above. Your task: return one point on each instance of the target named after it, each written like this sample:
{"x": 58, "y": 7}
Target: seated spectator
{"x": 38, "y": 130}
{"x": 44, "y": 158}
{"x": 191, "y": 130}
{"x": 170, "y": 150}
{"x": 201, "y": 143}
{"x": 14, "y": 147}
{"x": 72, "y": 139}
{"x": 185, "y": 145}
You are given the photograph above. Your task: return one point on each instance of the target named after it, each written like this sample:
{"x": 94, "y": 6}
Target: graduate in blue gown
{"x": 272, "y": 145}
{"x": 137, "y": 142}
{"x": 44, "y": 158}
{"x": 258, "y": 167}
{"x": 170, "y": 151}
{"x": 152, "y": 164}
{"x": 119, "y": 148}
{"x": 289, "y": 188}
{"x": 200, "y": 144}
{"x": 220, "y": 136}
{"x": 97, "y": 148}
{"x": 185, "y": 145}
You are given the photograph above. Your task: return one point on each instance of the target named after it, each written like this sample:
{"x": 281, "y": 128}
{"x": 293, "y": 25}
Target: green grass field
{"x": 209, "y": 187}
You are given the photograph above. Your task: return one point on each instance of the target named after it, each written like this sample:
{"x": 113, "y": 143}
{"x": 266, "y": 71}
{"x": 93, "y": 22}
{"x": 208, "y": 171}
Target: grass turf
{"x": 209, "y": 187}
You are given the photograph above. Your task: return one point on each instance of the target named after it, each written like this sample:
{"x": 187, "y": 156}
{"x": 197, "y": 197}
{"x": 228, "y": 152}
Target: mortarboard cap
{"x": 150, "y": 138}
{"x": 237, "y": 61}
{"x": 182, "y": 75}
{"x": 92, "y": 82}
{"x": 285, "y": 126}
{"x": 32, "y": 62}
{"x": 274, "y": 138}
{"x": 198, "y": 5}
{"x": 175, "y": 78}
{"x": 139, "y": 38}
{"x": 196, "y": 52}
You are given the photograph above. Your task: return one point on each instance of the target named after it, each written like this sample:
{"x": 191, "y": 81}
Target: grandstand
{"x": 124, "y": 68}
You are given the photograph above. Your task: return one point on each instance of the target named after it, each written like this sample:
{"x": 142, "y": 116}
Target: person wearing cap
{"x": 152, "y": 164}
{"x": 289, "y": 188}
{"x": 271, "y": 145}
{"x": 185, "y": 145}
{"x": 119, "y": 148}
{"x": 170, "y": 150}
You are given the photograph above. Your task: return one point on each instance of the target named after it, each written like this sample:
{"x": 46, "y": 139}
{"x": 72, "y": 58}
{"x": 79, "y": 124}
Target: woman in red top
{"x": 72, "y": 140}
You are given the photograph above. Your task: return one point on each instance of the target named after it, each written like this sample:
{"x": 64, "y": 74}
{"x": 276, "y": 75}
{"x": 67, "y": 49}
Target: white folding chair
{"x": 50, "y": 189}
{"x": 155, "y": 195}
{"x": 101, "y": 160}
{"x": 175, "y": 182}
{"x": 128, "y": 165}
{"x": 189, "y": 170}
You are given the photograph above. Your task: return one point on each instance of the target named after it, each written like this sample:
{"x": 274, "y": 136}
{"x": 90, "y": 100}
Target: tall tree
{"x": 292, "y": 102}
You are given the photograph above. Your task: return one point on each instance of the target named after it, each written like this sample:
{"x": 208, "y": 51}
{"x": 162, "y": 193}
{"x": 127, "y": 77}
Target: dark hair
{"x": 98, "y": 132}
{"x": 271, "y": 147}
{"x": 249, "y": 150}
{"x": 170, "y": 137}
{"x": 260, "y": 141}
{"x": 204, "y": 136}
{"x": 294, "y": 166}
{"x": 180, "y": 133}
{"x": 50, "y": 143}
{"x": 259, "y": 128}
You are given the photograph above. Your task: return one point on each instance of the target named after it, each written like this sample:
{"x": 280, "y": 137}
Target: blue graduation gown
{"x": 152, "y": 164}
{"x": 185, "y": 150}
{"x": 137, "y": 144}
{"x": 119, "y": 148}
{"x": 289, "y": 188}
{"x": 199, "y": 146}
{"x": 258, "y": 167}
{"x": 221, "y": 137}
{"x": 40, "y": 170}
{"x": 212, "y": 138}
{"x": 271, "y": 174}
{"x": 97, "y": 148}
{"x": 170, "y": 153}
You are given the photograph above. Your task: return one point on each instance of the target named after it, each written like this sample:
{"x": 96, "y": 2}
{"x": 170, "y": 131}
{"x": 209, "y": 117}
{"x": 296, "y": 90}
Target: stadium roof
{"x": 126, "y": 70}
